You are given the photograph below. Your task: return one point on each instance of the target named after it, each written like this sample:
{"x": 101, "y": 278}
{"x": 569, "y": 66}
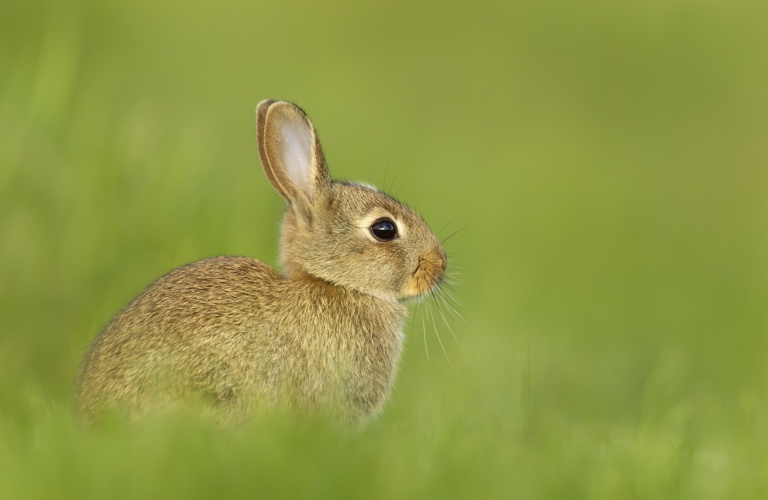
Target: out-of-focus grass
{"x": 608, "y": 160}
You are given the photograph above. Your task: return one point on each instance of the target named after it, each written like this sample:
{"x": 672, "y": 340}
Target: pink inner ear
{"x": 297, "y": 153}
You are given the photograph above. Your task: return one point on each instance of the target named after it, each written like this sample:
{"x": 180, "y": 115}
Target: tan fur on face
{"x": 428, "y": 273}
{"x": 335, "y": 235}
{"x": 234, "y": 334}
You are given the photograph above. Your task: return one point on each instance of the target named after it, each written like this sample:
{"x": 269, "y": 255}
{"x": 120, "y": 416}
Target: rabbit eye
{"x": 384, "y": 230}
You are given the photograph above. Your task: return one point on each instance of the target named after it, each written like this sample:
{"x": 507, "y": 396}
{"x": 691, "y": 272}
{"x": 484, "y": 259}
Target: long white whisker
{"x": 448, "y": 288}
{"x": 453, "y": 285}
{"x": 451, "y": 296}
{"x": 450, "y": 285}
{"x": 453, "y": 310}
{"x": 424, "y": 334}
{"x": 445, "y": 320}
{"x": 447, "y": 358}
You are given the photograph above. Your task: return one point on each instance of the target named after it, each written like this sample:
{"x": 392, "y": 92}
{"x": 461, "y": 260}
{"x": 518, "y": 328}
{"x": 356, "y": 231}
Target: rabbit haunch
{"x": 234, "y": 334}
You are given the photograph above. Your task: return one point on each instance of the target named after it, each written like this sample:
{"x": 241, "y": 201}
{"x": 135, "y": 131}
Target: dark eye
{"x": 384, "y": 230}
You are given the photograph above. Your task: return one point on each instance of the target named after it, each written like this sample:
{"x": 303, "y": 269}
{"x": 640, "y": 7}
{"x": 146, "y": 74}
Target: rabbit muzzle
{"x": 428, "y": 273}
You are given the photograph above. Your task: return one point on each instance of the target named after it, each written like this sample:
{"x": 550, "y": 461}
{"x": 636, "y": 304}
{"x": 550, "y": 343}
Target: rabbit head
{"x": 348, "y": 234}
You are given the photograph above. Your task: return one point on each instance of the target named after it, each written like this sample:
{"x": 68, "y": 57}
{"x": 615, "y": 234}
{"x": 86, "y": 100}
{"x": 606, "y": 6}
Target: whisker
{"x": 445, "y": 320}
{"x": 450, "y": 296}
{"x": 429, "y": 313}
{"x": 450, "y": 284}
{"x": 453, "y": 310}
{"x": 440, "y": 341}
{"x": 440, "y": 231}
{"x": 431, "y": 319}
{"x": 450, "y": 299}
{"x": 448, "y": 306}
{"x": 424, "y": 332}
{"x": 393, "y": 185}
{"x": 454, "y": 234}
{"x": 413, "y": 320}
{"x": 394, "y": 179}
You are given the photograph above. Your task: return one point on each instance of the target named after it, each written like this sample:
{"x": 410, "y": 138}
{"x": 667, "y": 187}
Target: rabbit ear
{"x": 290, "y": 152}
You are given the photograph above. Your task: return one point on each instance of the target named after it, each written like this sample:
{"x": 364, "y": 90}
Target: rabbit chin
{"x": 415, "y": 290}
{"x": 419, "y": 286}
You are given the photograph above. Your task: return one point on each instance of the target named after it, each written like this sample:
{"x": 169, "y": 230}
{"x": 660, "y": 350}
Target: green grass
{"x": 607, "y": 159}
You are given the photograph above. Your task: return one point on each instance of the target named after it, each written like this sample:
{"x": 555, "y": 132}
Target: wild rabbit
{"x": 234, "y": 333}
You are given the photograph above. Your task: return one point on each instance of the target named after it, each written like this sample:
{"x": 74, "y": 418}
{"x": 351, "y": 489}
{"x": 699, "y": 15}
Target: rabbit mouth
{"x": 429, "y": 273}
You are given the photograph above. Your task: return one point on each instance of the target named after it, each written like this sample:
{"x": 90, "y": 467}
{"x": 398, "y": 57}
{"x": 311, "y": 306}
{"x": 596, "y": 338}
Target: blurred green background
{"x": 608, "y": 161}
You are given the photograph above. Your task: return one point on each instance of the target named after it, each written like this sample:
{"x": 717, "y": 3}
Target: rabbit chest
{"x": 341, "y": 349}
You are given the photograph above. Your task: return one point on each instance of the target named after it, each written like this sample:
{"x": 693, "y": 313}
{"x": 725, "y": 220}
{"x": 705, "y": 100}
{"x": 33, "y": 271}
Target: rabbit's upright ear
{"x": 290, "y": 152}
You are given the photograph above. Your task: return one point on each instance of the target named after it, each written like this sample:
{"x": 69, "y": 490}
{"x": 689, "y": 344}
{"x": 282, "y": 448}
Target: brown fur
{"x": 233, "y": 333}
